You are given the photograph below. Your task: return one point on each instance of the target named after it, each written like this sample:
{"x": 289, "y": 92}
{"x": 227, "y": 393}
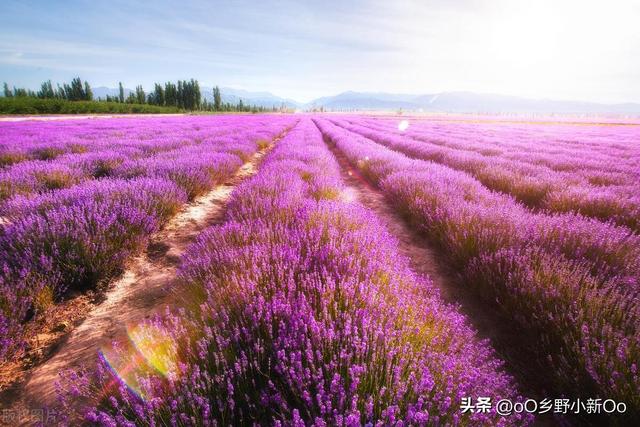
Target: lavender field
{"x": 320, "y": 269}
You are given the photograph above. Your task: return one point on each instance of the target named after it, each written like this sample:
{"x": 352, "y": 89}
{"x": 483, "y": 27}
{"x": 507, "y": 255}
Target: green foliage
{"x": 183, "y": 95}
{"x": 140, "y": 95}
{"x": 46, "y": 90}
{"x": 120, "y": 92}
{"x": 157, "y": 97}
{"x": 76, "y": 91}
{"x": 19, "y": 92}
{"x": 187, "y": 95}
{"x": 217, "y": 99}
{"x": 33, "y": 105}
{"x": 88, "y": 93}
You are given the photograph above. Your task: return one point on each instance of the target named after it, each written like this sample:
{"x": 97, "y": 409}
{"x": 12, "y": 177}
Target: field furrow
{"x": 147, "y": 287}
{"x": 427, "y": 261}
{"x": 325, "y": 269}
{"x": 592, "y": 184}
{"x": 583, "y": 325}
{"x": 302, "y": 307}
{"x": 55, "y": 242}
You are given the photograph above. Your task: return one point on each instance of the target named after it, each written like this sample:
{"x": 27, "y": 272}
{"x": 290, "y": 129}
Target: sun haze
{"x": 582, "y": 50}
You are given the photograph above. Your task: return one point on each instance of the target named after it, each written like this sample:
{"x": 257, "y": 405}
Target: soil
{"x": 425, "y": 259}
{"x": 146, "y": 287}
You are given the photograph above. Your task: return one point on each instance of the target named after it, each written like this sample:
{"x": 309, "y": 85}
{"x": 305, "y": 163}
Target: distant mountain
{"x": 446, "y": 102}
{"x": 101, "y": 92}
{"x": 365, "y": 101}
{"x": 260, "y": 99}
{"x": 464, "y": 102}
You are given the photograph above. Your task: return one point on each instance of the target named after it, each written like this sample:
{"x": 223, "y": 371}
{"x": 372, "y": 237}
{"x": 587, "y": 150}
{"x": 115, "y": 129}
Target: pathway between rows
{"x": 510, "y": 345}
{"x": 144, "y": 289}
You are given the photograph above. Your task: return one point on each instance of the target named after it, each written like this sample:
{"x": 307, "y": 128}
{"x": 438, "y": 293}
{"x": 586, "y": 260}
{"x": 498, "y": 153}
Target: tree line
{"x": 183, "y": 94}
{"x": 77, "y": 90}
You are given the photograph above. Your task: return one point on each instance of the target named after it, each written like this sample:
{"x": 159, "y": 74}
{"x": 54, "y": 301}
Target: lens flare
{"x": 122, "y": 374}
{"x": 155, "y": 345}
{"x": 403, "y": 125}
{"x": 148, "y": 352}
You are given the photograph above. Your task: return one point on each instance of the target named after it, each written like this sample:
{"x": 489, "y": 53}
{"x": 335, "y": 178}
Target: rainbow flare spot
{"x": 148, "y": 352}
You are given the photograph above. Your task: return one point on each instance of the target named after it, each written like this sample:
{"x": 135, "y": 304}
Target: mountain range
{"x": 465, "y": 102}
{"x": 450, "y": 102}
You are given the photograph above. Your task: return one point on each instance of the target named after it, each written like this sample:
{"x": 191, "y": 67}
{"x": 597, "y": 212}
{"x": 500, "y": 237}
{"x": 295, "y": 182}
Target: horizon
{"x": 331, "y": 95}
{"x": 578, "y": 51}
{"x": 297, "y": 213}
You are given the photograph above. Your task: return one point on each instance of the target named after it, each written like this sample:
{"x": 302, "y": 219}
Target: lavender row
{"x": 76, "y": 242}
{"x": 80, "y": 237}
{"x": 559, "y": 147}
{"x": 301, "y": 312}
{"x": 551, "y": 275}
{"x": 23, "y": 141}
{"x": 534, "y": 185}
{"x": 143, "y": 151}
{"x": 590, "y": 169}
{"x": 612, "y": 251}
{"x": 598, "y": 158}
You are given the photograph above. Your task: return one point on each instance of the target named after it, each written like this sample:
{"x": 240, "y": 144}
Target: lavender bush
{"x": 591, "y": 180}
{"x": 570, "y": 282}
{"x": 299, "y": 310}
{"x": 62, "y": 229}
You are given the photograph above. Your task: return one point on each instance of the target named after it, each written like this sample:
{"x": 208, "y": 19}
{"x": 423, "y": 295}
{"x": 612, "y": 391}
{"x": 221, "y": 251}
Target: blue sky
{"x": 563, "y": 49}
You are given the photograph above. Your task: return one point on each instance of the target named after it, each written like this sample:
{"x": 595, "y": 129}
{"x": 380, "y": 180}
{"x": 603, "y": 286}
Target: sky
{"x": 559, "y": 49}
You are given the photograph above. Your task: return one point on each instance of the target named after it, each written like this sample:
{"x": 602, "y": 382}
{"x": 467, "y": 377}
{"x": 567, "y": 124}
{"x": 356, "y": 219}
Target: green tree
{"x": 140, "y": 95}
{"x": 120, "y": 92}
{"x": 88, "y": 93}
{"x": 180, "y": 95}
{"x": 197, "y": 95}
{"x": 170, "y": 94}
{"x": 217, "y": 99}
{"x": 158, "y": 94}
{"x": 19, "y": 92}
{"x": 75, "y": 91}
{"x": 7, "y": 91}
{"x": 46, "y": 90}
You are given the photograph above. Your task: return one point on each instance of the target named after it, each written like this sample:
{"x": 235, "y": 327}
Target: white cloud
{"x": 557, "y": 49}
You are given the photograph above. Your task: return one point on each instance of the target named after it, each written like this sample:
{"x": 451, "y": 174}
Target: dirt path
{"x": 144, "y": 289}
{"x": 425, "y": 260}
